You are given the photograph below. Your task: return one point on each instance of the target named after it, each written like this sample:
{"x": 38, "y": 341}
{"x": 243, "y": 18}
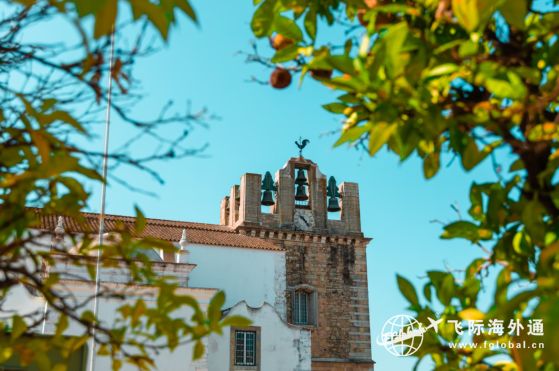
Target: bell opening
{"x": 301, "y": 188}
{"x": 268, "y": 188}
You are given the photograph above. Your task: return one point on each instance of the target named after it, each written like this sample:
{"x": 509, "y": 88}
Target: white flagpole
{"x": 92, "y": 343}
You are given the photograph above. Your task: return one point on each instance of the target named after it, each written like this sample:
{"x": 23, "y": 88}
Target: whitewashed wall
{"x": 283, "y": 347}
{"x": 255, "y": 276}
{"x": 180, "y": 359}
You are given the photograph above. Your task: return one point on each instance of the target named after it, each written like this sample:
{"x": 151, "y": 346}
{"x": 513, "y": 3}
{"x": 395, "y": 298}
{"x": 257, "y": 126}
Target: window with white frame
{"x": 245, "y": 348}
{"x": 303, "y": 306}
{"x": 300, "y": 307}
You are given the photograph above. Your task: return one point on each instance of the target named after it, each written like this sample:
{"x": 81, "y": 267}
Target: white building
{"x": 296, "y": 270}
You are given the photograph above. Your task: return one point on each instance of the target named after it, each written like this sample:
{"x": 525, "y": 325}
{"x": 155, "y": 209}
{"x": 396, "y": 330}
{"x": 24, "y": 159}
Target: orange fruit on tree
{"x": 280, "y": 78}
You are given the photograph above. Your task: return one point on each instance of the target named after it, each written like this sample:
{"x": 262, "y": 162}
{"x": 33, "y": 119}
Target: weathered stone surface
{"x": 328, "y": 259}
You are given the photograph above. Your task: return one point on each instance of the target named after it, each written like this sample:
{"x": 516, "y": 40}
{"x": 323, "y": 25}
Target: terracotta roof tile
{"x": 169, "y": 230}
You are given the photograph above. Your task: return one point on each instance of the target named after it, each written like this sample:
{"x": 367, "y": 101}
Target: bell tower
{"x": 318, "y": 224}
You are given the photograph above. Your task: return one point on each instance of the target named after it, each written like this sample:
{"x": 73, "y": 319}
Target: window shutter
{"x": 312, "y": 308}
{"x": 293, "y": 306}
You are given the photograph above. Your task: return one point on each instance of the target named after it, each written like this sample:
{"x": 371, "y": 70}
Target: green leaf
{"x": 263, "y": 19}
{"x": 471, "y": 314}
{"x": 379, "y": 135}
{"x": 442, "y": 69}
{"x": 310, "y": 23}
{"x": 431, "y": 164}
{"x": 140, "y": 222}
{"x": 342, "y": 63}
{"x": 473, "y": 14}
{"x": 407, "y": 289}
{"x": 105, "y": 18}
{"x": 154, "y": 13}
{"x": 517, "y": 165}
{"x": 185, "y": 6}
{"x": 335, "y": 107}
{"x": 514, "y": 12}
{"x": 472, "y": 156}
{"x": 394, "y": 42}
{"x": 236, "y": 321}
{"x": 214, "y": 308}
{"x": 199, "y": 349}
{"x": 61, "y": 325}
{"x": 468, "y": 48}
{"x": 466, "y": 230}
{"x": 288, "y": 28}
{"x": 503, "y": 89}
{"x": 42, "y": 144}
{"x": 447, "y": 289}
{"x": 18, "y": 326}
{"x": 117, "y": 364}
{"x": 352, "y": 134}
{"x": 349, "y": 98}
{"x": 286, "y": 54}
{"x": 533, "y": 216}
{"x": 427, "y": 292}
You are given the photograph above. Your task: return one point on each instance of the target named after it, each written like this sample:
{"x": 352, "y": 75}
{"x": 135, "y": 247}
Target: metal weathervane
{"x": 301, "y": 143}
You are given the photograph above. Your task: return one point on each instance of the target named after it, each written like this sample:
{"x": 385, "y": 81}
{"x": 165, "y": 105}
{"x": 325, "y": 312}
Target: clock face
{"x": 303, "y": 219}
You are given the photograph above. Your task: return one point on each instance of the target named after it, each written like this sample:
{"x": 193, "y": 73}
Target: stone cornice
{"x": 303, "y": 236}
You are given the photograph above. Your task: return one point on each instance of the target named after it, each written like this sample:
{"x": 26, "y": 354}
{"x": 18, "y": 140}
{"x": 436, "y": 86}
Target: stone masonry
{"x": 328, "y": 259}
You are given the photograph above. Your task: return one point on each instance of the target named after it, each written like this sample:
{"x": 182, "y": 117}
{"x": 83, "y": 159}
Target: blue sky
{"x": 255, "y": 134}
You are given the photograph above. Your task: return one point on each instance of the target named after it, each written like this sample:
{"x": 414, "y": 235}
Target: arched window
{"x": 303, "y": 306}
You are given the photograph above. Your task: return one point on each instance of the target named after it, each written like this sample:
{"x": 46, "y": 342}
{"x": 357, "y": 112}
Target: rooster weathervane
{"x": 302, "y": 143}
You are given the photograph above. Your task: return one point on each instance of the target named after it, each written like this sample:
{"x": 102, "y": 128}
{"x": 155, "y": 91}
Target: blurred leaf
{"x": 286, "y": 54}
{"x": 394, "y": 42}
{"x": 288, "y": 28}
{"x": 140, "y": 221}
{"x": 379, "y": 135}
{"x": 514, "y": 12}
{"x": 199, "y": 350}
{"x": 18, "y": 326}
{"x": 352, "y": 134}
{"x": 214, "y": 308}
{"x": 407, "y": 289}
{"x": 446, "y": 290}
{"x": 466, "y": 230}
{"x": 263, "y": 18}
{"x": 310, "y": 23}
{"x": 236, "y": 321}
{"x": 105, "y": 18}
{"x": 431, "y": 164}
{"x": 443, "y": 69}
{"x": 335, "y": 107}
{"x": 473, "y": 14}
{"x": 471, "y": 314}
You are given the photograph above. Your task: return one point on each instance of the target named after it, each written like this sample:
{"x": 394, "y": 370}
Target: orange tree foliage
{"x": 465, "y": 79}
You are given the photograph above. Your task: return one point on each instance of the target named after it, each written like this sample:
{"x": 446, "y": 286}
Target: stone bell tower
{"x": 318, "y": 224}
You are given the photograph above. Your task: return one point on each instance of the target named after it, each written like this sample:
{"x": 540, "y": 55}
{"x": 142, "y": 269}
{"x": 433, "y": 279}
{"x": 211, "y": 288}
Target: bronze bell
{"x": 267, "y": 198}
{"x": 301, "y": 179}
{"x": 268, "y": 187}
{"x": 333, "y": 204}
{"x": 301, "y": 193}
{"x": 333, "y": 194}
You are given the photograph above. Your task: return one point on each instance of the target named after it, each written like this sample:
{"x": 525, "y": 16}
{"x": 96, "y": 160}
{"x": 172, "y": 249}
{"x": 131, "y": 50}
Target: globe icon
{"x": 402, "y": 335}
